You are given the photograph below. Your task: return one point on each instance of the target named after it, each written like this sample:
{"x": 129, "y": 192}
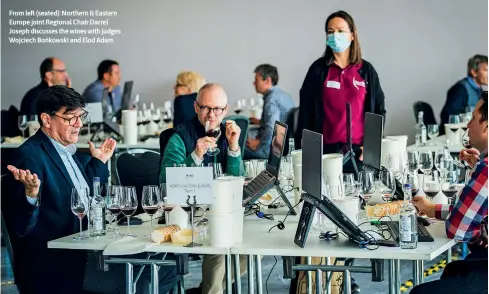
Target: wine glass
{"x": 449, "y": 186}
{"x": 164, "y": 203}
{"x": 167, "y": 116}
{"x": 348, "y": 182}
{"x": 286, "y": 169}
{"x": 443, "y": 162}
{"x": 239, "y": 108}
{"x": 431, "y": 184}
{"x": 464, "y": 120}
{"x": 413, "y": 161}
{"x": 387, "y": 184}
{"x": 129, "y": 204}
{"x": 22, "y": 124}
{"x": 213, "y": 133}
{"x": 426, "y": 161}
{"x": 249, "y": 170}
{"x": 395, "y": 163}
{"x": 260, "y": 165}
{"x": 466, "y": 139}
{"x": 367, "y": 185}
{"x": 216, "y": 169}
{"x": 151, "y": 201}
{"x": 433, "y": 131}
{"x": 113, "y": 202}
{"x": 413, "y": 179}
{"x": 79, "y": 206}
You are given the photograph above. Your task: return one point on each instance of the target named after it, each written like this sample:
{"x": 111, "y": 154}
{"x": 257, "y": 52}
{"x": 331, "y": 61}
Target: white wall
{"x": 419, "y": 48}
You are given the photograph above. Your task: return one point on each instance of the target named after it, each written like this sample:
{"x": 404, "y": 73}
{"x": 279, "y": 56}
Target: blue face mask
{"x": 339, "y": 42}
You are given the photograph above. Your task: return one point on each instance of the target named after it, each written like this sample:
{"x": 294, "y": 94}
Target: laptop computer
{"x": 126, "y": 95}
{"x": 372, "y": 141}
{"x": 268, "y": 177}
{"x": 312, "y": 148}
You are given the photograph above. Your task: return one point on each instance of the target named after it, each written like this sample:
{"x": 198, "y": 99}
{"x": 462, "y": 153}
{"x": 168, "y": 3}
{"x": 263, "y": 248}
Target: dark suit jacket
{"x": 38, "y": 269}
{"x": 184, "y": 108}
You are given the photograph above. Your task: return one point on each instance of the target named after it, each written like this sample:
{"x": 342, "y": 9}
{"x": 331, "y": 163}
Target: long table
{"x": 437, "y": 144}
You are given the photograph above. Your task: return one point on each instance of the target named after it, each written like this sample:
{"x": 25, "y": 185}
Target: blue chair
{"x": 244, "y": 123}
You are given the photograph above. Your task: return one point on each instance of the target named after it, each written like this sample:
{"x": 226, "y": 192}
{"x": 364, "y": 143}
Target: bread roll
{"x": 163, "y": 234}
{"x": 384, "y": 209}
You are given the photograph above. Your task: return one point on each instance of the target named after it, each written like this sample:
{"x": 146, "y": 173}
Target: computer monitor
{"x": 276, "y": 148}
{"x": 311, "y": 185}
{"x": 372, "y": 140}
{"x": 126, "y": 95}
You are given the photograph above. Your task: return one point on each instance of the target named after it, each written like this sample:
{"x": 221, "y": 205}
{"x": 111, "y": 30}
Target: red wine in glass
{"x": 215, "y": 133}
{"x": 128, "y": 211}
{"x": 237, "y": 111}
{"x": 414, "y": 192}
{"x": 151, "y": 210}
{"x": 431, "y": 193}
{"x": 453, "y": 129}
{"x": 449, "y": 192}
{"x": 79, "y": 211}
{"x": 115, "y": 210}
{"x": 167, "y": 120}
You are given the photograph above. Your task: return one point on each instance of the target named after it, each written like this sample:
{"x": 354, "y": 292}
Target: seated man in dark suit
{"x": 186, "y": 87}
{"x": 37, "y": 203}
{"x": 53, "y": 72}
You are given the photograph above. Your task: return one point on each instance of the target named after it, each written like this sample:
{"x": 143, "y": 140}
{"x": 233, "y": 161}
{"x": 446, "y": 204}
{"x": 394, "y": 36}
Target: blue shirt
{"x": 276, "y": 106}
{"x": 93, "y": 93}
{"x": 66, "y": 153}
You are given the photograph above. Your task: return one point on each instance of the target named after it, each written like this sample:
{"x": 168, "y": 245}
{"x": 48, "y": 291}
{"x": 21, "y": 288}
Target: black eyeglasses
{"x": 72, "y": 120}
{"x": 59, "y": 70}
{"x": 206, "y": 109}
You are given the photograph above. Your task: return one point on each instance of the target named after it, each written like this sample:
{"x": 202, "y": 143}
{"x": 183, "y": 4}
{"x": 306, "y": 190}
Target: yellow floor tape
{"x": 428, "y": 272}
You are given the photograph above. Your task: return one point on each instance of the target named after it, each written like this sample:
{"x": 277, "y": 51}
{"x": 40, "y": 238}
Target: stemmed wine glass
{"x": 213, "y": 133}
{"x": 449, "y": 186}
{"x": 79, "y": 206}
{"x": 349, "y": 186}
{"x": 367, "y": 185}
{"x": 431, "y": 184}
{"x": 433, "y": 131}
{"x": 387, "y": 184}
{"x": 113, "y": 202}
{"x": 413, "y": 161}
{"x": 151, "y": 201}
{"x": 163, "y": 203}
{"x": 216, "y": 169}
{"x": 129, "y": 204}
{"x": 22, "y": 124}
{"x": 238, "y": 107}
{"x": 413, "y": 179}
{"x": 426, "y": 161}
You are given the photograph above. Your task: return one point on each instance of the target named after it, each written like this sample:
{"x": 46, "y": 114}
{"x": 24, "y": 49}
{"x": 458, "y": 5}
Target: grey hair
{"x": 475, "y": 62}
{"x": 209, "y": 86}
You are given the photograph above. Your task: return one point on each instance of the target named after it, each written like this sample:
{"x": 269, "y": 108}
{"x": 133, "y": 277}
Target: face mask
{"x": 339, "y": 42}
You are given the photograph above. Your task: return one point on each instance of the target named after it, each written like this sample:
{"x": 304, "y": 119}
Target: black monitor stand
{"x": 284, "y": 198}
{"x": 348, "y": 153}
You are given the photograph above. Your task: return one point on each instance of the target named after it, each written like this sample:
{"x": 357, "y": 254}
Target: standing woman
{"x": 340, "y": 76}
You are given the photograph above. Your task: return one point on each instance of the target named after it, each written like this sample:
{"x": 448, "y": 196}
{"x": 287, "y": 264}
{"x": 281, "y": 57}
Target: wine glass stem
{"x": 151, "y": 223}
{"x": 81, "y": 229}
{"x": 23, "y": 133}
{"x": 128, "y": 221}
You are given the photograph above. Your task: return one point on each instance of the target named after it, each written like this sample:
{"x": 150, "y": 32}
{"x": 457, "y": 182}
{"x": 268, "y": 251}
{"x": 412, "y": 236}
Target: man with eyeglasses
{"x": 189, "y": 146}
{"x": 53, "y": 72}
{"x": 36, "y": 203}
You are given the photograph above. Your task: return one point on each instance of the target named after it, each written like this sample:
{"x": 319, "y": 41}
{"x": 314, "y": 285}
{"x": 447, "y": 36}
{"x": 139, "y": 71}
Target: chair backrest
{"x": 138, "y": 168}
{"x": 244, "y": 124}
{"x": 164, "y": 138}
{"x": 428, "y": 114}
{"x": 293, "y": 124}
{"x": 9, "y": 119}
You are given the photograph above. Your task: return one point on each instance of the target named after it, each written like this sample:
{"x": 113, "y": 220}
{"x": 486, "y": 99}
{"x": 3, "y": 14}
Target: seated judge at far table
{"x": 36, "y": 203}
{"x": 466, "y": 220}
{"x": 187, "y": 85}
{"x": 108, "y": 76}
{"x": 340, "y": 76}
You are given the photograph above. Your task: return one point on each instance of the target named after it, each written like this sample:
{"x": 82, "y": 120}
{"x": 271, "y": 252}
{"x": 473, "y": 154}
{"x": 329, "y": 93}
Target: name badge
{"x": 333, "y": 84}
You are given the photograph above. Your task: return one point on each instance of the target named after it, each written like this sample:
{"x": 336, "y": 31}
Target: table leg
{"x": 229, "y": 280}
{"x": 155, "y": 280}
{"x": 259, "y": 283}
{"x": 328, "y": 283}
{"x": 397, "y": 275}
{"x": 319, "y": 286}
{"x": 129, "y": 278}
{"x": 251, "y": 276}
{"x": 346, "y": 281}
{"x": 417, "y": 272}
{"x": 392, "y": 288}
{"x": 237, "y": 274}
{"x": 449, "y": 255}
{"x": 309, "y": 276}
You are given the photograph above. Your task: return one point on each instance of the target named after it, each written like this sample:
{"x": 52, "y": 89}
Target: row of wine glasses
{"x": 119, "y": 199}
{"x": 23, "y": 122}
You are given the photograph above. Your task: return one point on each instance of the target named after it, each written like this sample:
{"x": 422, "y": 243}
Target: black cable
{"x": 281, "y": 223}
{"x": 266, "y": 282}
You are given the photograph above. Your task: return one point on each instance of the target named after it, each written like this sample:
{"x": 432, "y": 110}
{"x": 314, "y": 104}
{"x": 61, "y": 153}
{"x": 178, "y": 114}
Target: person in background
{"x": 53, "y": 72}
{"x": 466, "y": 220}
{"x": 36, "y": 203}
{"x": 187, "y": 85}
{"x": 189, "y": 146}
{"x": 340, "y": 76}
{"x": 276, "y": 107}
{"x": 108, "y": 76}
{"x": 465, "y": 93}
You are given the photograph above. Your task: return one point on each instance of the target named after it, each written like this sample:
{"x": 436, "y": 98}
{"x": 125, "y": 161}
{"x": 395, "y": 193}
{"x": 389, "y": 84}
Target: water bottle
{"x": 97, "y": 211}
{"x": 420, "y": 137}
{"x": 408, "y": 230}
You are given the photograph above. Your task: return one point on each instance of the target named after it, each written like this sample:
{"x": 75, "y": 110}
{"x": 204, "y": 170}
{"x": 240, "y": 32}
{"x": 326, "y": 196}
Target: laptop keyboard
{"x": 423, "y": 234}
{"x": 258, "y": 186}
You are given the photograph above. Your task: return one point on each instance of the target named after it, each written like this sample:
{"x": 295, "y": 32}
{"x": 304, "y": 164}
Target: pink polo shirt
{"x": 341, "y": 86}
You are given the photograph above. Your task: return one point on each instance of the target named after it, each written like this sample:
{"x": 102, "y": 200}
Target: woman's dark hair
{"x": 105, "y": 67}
{"x": 56, "y": 97}
{"x": 46, "y": 66}
{"x": 355, "y": 50}
{"x": 483, "y": 109}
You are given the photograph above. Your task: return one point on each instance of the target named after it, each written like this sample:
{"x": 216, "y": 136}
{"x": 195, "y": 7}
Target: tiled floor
{"x": 276, "y": 283}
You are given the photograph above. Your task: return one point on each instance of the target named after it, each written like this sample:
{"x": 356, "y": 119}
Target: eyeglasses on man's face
{"x": 205, "y": 110}
{"x": 73, "y": 119}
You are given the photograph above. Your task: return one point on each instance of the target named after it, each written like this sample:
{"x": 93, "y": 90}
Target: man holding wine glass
{"x": 38, "y": 204}
{"x": 466, "y": 219}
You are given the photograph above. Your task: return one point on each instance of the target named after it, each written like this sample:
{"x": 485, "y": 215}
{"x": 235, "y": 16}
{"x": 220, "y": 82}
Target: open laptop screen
{"x": 312, "y": 152}
{"x": 372, "y": 139}
{"x": 126, "y": 95}
{"x": 276, "y": 148}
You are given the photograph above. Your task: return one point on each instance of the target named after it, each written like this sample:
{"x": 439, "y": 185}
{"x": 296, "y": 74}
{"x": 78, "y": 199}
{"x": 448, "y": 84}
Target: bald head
{"x": 53, "y": 71}
{"x": 211, "y": 104}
